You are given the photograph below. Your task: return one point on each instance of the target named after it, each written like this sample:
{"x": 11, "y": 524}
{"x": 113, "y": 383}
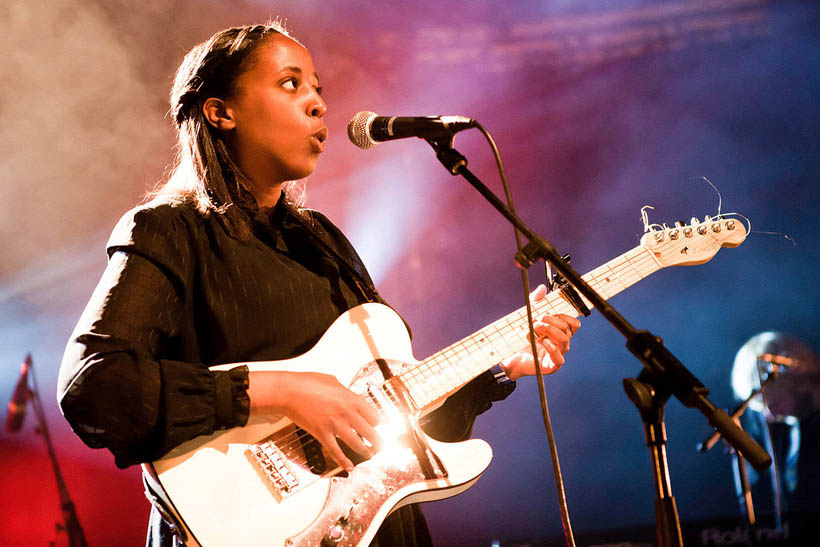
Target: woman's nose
{"x": 317, "y": 106}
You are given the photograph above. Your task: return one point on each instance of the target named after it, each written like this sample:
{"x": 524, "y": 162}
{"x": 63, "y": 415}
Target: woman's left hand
{"x": 553, "y": 333}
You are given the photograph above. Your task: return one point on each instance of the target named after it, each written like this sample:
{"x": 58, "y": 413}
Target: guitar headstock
{"x": 694, "y": 243}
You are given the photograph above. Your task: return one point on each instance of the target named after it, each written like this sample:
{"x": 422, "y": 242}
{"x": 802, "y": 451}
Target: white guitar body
{"x": 269, "y": 483}
{"x": 222, "y": 498}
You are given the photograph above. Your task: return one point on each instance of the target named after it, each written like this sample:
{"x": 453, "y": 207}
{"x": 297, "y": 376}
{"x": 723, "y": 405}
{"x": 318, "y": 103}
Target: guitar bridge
{"x": 273, "y": 464}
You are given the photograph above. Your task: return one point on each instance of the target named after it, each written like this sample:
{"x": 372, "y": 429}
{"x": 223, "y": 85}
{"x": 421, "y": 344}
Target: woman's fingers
{"x": 368, "y": 412}
{"x": 522, "y": 364}
{"x": 553, "y": 335}
{"x": 330, "y": 412}
{"x": 538, "y": 293}
{"x": 365, "y": 427}
{"x": 355, "y": 428}
{"x": 355, "y": 431}
{"x": 332, "y": 445}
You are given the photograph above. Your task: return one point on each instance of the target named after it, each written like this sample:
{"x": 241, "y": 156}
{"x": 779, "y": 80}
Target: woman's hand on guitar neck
{"x": 553, "y": 332}
{"x": 320, "y": 405}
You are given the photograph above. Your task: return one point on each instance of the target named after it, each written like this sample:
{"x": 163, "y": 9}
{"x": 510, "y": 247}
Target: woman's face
{"x": 277, "y": 112}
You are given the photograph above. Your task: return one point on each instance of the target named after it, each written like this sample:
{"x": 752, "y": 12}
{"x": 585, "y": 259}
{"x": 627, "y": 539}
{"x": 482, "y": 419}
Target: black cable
{"x": 556, "y": 466}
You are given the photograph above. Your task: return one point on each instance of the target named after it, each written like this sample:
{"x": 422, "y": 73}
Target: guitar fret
{"x": 634, "y": 261}
{"x": 627, "y": 274}
{"x": 510, "y": 347}
{"x": 490, "y": 341}
{"x": 616, "y": 278}
{"x": 456, "y": 367}
{"x": 487, "y": 345}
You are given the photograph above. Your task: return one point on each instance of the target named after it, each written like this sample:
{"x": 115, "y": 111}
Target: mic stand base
{"x": 650, "y": 403}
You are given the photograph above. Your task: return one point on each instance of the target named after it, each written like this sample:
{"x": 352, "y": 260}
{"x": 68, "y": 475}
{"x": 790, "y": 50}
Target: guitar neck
{"x": 444, "y": 372}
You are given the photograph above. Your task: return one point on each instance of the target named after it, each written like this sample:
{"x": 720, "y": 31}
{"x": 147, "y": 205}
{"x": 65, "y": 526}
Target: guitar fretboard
{"x": 446, "y": 371}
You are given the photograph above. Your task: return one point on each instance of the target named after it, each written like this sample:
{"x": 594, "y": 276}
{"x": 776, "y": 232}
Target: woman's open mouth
{"x": 318, "y": 139}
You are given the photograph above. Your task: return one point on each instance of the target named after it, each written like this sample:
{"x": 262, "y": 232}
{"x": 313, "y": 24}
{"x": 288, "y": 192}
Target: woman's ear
{"x": 218, "y": 114}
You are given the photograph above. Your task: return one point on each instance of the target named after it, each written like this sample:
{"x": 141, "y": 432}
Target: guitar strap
{"x": 359, "y": 278}
{"x": 364, "y": 284}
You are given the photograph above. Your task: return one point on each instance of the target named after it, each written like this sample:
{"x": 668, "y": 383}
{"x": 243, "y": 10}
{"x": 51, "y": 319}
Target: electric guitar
{"x": 270, "y": 483}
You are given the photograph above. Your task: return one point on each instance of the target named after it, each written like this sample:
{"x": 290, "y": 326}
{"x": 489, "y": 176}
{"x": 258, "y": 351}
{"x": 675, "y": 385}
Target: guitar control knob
{"x": 335, "y": 534}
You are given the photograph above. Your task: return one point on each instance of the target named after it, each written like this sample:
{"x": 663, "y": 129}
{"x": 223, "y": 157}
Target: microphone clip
{"x": 451, "y": 158}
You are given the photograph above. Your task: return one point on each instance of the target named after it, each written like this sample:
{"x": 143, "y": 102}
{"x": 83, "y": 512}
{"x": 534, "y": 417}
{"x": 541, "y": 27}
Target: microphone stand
{"x": 70, "y": 524}
{"x": 743, "y": 488}
{"x": 662, "y": 376}
{"x": 742, "y": 485}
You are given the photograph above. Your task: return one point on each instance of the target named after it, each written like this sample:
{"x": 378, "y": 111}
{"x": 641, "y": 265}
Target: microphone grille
{"x": 358, "y": 130}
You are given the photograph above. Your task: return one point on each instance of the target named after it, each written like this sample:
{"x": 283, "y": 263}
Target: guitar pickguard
{"x": 353, "y": 501}
{"x": 405, "y": 458}
{"x": 354, "y": 498}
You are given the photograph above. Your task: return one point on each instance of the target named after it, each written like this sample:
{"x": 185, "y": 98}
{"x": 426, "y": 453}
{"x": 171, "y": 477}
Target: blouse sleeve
{"x": 453, "y": 421}
{"x": 121, "y": 386}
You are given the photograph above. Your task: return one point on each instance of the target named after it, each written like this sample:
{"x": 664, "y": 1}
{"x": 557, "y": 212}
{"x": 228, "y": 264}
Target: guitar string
{"x": 625, "y": 270}
{"x": 292, "y": 430}
{"x": 457, "y": 349}
{"x": 503, "y": 333}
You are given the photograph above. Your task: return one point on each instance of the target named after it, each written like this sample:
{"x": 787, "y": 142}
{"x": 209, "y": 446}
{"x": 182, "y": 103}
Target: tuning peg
{"x": 679, "y": 224}
{"x": 694, "y": 220}
{"x": 665, "y": 226}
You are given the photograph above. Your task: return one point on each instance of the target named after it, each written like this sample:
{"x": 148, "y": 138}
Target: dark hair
{"x": 203, "y": 171}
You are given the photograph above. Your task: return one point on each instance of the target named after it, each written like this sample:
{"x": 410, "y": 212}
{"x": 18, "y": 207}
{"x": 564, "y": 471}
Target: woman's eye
{"x": 290, "y": 83}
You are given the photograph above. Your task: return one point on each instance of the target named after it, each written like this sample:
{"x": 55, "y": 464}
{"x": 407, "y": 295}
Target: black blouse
{"x": 179, "y": 295}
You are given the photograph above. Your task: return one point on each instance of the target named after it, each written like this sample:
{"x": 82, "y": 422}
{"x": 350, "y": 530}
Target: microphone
{"x": 17, "y": 404}
{"x": 366, "y": 129}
